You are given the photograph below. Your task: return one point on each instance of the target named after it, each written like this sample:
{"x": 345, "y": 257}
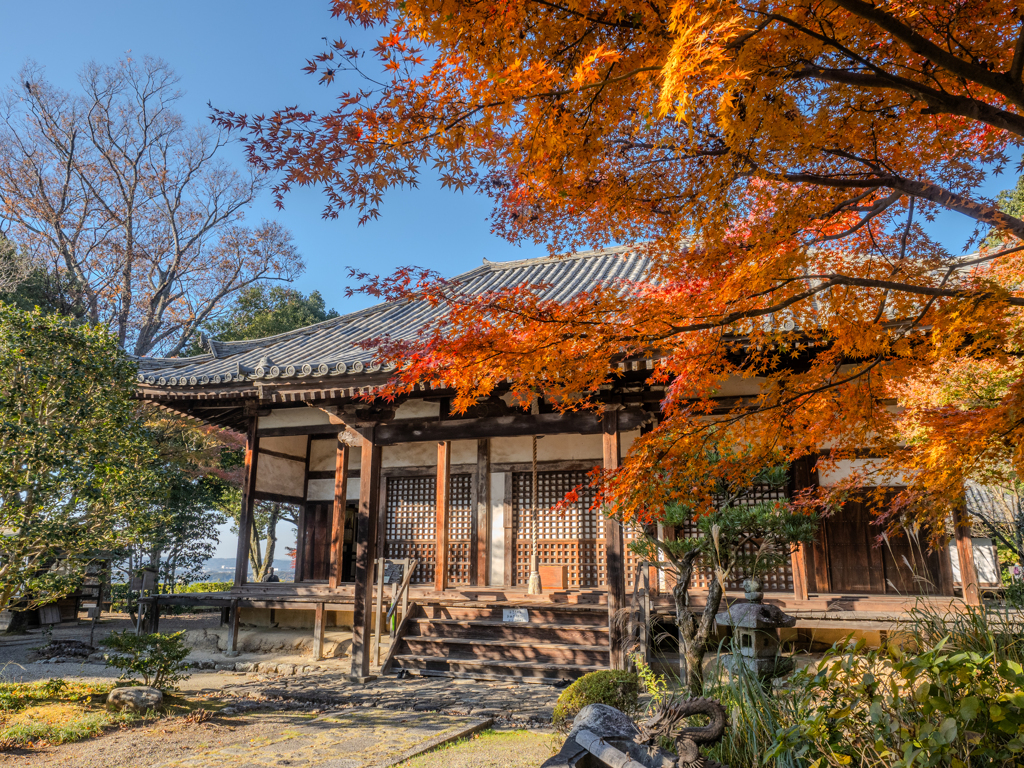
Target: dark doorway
{"x": 857, "y": 560}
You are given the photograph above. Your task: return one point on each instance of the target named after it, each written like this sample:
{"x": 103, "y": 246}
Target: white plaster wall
{"x": 300, "y": 416}
{"x": 418, "y": 409}
{"x": 323, "y": 490}
{"x": 737, "y": 386}
{"x": 276, "y": 475}
{"x": 496, "y": 574}
{"x": 843, "y": 469}
{"x": 425, "y": 454}
{"x": 556, "y": 448}
{"x": 986, "y": 561}
{"x": 323, "y": 455}
{"x": 293, "y": 445}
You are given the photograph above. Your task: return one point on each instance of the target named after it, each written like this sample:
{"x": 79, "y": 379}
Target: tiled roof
{"x": 330, "y": 348}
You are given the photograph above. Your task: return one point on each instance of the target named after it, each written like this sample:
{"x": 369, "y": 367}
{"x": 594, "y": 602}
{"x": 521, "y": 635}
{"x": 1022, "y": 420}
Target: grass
{"x": 58, "y": 711}
{"x": 491, "y": 749}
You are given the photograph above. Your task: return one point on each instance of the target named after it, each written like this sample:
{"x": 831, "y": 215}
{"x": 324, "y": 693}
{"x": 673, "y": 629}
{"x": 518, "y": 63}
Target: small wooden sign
{"x": 144, "y": 582}
{"x": 515, "y": 615}
{"x": 393, "y": 572}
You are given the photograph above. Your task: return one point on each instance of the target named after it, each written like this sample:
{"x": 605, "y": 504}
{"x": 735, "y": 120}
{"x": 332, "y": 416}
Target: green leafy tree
{"x": 741, "y": 535}
{"x": 75, "y": 463}
{"x": 262, "y": 310}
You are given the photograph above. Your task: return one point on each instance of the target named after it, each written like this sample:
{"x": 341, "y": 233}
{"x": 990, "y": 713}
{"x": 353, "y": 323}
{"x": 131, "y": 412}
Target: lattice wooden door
{"x": 779, "y": 580}
{"x": 410, "y": 528}
{"x": 573, "y": 537}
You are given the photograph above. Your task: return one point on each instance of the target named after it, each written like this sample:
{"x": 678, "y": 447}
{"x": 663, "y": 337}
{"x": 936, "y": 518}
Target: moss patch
{"x": 616, "y": 688}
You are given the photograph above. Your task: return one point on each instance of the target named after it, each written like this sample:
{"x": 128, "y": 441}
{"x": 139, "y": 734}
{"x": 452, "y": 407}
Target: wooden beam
{"x": 965, "y": 552}
{"x": 444, "y": 481}
{"x": 252, "y": 455}
{"x": 338, "y": 519}
{"x": 516, "y": 425}
{"x": 366, "y": 552}
{"x": 614, "y": 562}
{"x": 318, "y": 632}
{"x": 480, "y": 531}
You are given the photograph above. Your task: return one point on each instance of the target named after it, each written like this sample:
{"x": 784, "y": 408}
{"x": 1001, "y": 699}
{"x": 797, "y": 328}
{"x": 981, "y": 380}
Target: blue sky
{"x": 247, "y": 56}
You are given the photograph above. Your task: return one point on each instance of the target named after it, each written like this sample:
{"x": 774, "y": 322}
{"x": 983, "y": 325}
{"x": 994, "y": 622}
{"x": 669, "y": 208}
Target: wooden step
{"x": 440, "y": 665}
{"x": 497, "y": 630}
{"x": 570, "y": 615}
{"x": 500, "y": 650}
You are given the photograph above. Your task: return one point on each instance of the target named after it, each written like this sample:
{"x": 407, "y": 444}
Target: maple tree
{"x": 778, "y": 164}
{"x": 131, "y": 212}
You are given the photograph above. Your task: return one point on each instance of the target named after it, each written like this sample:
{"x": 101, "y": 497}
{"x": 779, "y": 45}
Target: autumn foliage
{"x": 777, "y": 163}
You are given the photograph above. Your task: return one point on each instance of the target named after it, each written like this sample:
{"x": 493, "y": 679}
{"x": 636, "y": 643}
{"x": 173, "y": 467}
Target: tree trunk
{"x": 694, "y": 634}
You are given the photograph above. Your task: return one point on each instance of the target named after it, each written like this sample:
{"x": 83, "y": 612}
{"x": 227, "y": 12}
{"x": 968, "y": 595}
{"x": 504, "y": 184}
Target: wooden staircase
{"x": 559, "y": 642}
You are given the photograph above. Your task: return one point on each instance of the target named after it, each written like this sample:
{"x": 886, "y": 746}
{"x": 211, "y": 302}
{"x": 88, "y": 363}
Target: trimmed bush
{"x": 157, "y": 659}
{"x": 614, "y": 687}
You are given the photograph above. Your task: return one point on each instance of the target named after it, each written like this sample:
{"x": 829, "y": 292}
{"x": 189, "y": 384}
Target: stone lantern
{"x": 755, "y": 629}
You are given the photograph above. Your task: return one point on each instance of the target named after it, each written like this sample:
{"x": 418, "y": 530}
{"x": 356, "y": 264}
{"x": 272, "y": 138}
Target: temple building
{"x": 406, "y": 480}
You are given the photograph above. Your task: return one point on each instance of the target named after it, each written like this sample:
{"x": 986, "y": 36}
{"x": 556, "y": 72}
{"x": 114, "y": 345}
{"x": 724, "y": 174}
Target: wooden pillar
{"x": 481, "y": 525}
{"x": 232, "y": 649}
{"x": 444, "y": 476}
{"x": 366, "y": 553}
{"x": 338, "y": 519}
{"x": 252, "y": 455}
{"x": 802, "y": 474}
{"x": 509, "y": 520}
{"x": 614, "y": 562}
{"x": 798, "y": 561}
{"x": 965, "y": 552}
{"x": 945, "y": 571}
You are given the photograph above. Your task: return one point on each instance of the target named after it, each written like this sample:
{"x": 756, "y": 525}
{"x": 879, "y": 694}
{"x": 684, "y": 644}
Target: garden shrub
{"x": 157, "y": 658}
{"x": 887, "y": 708}
{"x": 616, "y": 688}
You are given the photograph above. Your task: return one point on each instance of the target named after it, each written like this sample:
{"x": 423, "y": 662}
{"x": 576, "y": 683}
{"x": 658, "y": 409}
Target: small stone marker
{"x": 515, "y": 615}
{"x": 393, "y": 572}
{"x": 139, "y": 698}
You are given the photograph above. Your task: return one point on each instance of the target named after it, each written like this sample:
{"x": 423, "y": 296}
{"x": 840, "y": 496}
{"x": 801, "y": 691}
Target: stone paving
{"x": 508, "y": 703}
{"x": 351, "y": 739}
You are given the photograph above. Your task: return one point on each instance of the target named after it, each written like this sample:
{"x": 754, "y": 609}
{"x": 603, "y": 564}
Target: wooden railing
{"x": 399, "y": 595}
{"x": 640, "y": 614}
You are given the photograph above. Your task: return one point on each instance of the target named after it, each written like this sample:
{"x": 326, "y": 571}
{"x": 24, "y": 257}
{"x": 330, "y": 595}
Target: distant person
{"x": 271, "y": 576}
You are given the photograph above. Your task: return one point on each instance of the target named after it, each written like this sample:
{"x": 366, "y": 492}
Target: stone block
{"x": 139, "y": 698}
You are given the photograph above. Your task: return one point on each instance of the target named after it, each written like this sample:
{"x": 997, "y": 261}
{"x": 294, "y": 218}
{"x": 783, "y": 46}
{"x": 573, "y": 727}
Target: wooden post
{"x": 613, "y": 549}
{"x": 444, "y": 474}
{"x": 798, "y": 560}
{"x": 378, "y": 579}
{"x": 965, "y": 552}
{"x": 508, "y": 517}
{"x": 338, "y": 519}
{"x": 252, "y": 455}
{"x": 946, "y": 571}
{"x": 802, "y": 474}
{"x": 233, "y": 630}
{"x": 318, "y": 633}
{"x": 481, "y": 528}
{"x": 366, "y": 553}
